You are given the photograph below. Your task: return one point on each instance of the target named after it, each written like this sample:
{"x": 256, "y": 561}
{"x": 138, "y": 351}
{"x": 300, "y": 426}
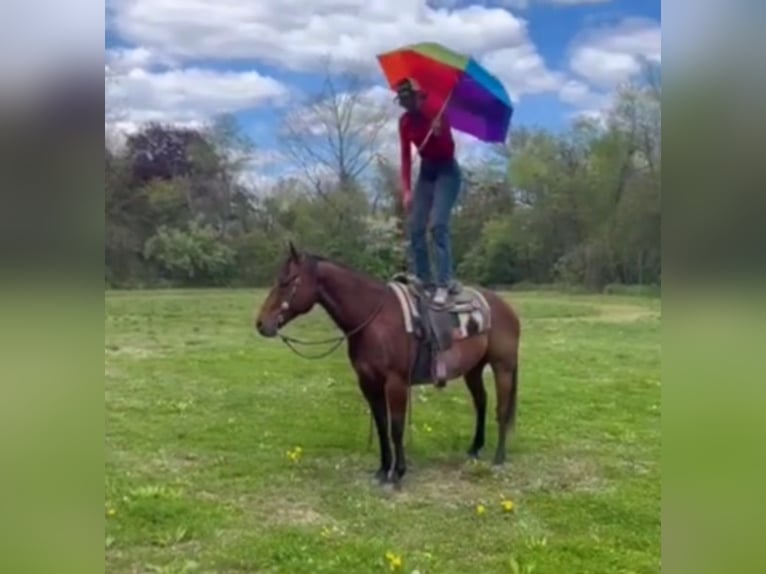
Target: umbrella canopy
{"x": 474, "y": 100}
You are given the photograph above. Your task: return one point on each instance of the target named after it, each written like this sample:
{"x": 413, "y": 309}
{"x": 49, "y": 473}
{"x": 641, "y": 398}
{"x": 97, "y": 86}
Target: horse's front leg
{"x": 376, "y": 398}
{"x": 396, "y": 396}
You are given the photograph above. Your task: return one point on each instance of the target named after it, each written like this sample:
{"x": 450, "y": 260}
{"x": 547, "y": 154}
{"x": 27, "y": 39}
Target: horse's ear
{"x": 294, "y": 255}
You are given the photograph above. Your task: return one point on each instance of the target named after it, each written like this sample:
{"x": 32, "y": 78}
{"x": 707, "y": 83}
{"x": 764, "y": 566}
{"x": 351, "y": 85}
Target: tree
{"x": 191, "y": 256}
{"x": 580, "y": 207}
{"x": 337, "y": 134}
{"x": 225, "y": 154}
{"x": 164, "y": 152}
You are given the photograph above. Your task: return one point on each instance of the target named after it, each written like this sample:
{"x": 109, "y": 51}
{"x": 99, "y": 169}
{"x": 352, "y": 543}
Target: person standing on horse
{"x": 436, "y": 189}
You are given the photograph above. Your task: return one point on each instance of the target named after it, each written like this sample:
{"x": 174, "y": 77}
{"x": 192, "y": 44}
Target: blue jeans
{"x": 436, "y": 191}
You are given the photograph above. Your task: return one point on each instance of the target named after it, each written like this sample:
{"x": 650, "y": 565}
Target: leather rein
{"x": 335, "y": 341}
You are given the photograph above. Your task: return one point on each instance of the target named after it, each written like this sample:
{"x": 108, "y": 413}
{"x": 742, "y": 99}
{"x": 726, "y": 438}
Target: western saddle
{"x": 436, "y": 328}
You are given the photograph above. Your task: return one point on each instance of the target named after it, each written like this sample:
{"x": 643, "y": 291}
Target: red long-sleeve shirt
{"x": 413, "y": 129}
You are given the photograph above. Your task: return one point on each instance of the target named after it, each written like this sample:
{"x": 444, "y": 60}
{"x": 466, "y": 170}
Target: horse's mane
{"x": 315, "y": 258}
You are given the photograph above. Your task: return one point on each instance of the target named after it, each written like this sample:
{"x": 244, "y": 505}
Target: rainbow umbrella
{"x": 474, "y": 100}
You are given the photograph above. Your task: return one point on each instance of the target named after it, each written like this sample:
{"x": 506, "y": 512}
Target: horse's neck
{"x": 348, "y": 298}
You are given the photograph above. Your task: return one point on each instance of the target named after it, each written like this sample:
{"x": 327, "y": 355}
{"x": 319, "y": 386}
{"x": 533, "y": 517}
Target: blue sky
{"x": 184, "y": 61}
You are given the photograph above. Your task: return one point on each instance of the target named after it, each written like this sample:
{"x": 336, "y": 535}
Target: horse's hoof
{"x": 396, "y": 475}
{"x": 380, "y": 476}
{"x": 499, "y": 458}
{"x": 473, "y": 454}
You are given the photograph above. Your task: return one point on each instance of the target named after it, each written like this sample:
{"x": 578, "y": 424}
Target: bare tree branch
{"x": 337, "y": 135}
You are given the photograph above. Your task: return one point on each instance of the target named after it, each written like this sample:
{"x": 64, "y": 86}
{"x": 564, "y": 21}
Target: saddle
{"x": 436, "y": 328}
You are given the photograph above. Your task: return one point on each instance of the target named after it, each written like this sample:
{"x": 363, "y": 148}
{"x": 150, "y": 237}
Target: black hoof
{"x": 380, "y": 476}
{"x": 396, "y": 475}
{"x": 473, "y": 454}
{"x": 498, "y": 460}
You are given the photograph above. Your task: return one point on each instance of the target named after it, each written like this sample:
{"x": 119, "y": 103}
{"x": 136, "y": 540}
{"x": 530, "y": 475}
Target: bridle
{"x": 285, "y": 305}
{"x": 335, "y": 341}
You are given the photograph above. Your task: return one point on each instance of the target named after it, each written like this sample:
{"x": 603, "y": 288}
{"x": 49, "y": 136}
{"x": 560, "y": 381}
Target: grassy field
{"x": 201, "y": 416}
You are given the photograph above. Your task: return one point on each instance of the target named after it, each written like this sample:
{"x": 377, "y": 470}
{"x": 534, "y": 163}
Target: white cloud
{"x": 599, "y": 116}
{"x": 580, "y": 95}
{"x": 522, "y": 70}
{"x": 574, "y": 92}
{"x": 187, "y": 96}
{"x": 513, "y": 4}
{"x": 608, "y": 56}
{"x": 349, "y": 32}
{"x": 152, "y": 85}
{"x": 604, "y": 58}
{"x": 521, "y": 4}
{"x": 122, "y": 60}
{"x": 285, "y": 33}
{"x": 604, "y": 68}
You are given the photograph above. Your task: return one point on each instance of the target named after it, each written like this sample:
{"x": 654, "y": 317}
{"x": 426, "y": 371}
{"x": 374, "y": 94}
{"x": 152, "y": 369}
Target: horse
{"x": 369, "y": 312}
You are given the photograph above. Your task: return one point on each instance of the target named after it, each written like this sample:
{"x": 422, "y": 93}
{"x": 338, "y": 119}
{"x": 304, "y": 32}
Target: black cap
{"x": 407, "y": 86}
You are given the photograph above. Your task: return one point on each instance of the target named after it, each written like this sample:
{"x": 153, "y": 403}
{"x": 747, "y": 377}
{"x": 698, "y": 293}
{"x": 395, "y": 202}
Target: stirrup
{"x": 439, "y": 373}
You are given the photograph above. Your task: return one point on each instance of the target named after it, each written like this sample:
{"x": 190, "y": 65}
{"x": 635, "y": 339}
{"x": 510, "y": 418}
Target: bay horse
{"x": 370, "y": 316}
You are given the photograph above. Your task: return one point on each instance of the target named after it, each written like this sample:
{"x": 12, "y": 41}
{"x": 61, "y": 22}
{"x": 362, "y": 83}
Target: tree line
{"x": 580, "y": 208}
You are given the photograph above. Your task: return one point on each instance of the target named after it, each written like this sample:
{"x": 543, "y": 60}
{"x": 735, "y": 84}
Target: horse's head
{"x": 294, "y": 293}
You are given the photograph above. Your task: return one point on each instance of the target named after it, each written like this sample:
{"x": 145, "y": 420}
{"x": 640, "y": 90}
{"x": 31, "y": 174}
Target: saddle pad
{"x": 471, "y": 313}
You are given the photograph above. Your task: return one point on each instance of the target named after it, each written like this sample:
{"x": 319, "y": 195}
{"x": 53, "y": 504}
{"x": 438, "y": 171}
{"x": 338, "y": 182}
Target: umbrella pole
{"x": 436, "y": 119}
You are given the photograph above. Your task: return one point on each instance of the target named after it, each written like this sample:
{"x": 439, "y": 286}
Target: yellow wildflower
{"x": 394, "y": 561}
{"x": 111, "y": 512}
{"x": 507, "y": 505}
{"x": 295, "y": 454}
{"x": 480, "y": 509}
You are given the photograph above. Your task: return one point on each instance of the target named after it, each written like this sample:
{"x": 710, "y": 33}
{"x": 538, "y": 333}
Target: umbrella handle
{"x": 438, "y": 116}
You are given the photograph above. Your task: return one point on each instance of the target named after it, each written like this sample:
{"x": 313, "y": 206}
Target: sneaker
{"x": 440, "y": 296}
{"x": 455, "y": 287}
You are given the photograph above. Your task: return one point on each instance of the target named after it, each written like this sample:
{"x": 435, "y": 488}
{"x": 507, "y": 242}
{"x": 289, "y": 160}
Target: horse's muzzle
{"x": 266, "y": 329}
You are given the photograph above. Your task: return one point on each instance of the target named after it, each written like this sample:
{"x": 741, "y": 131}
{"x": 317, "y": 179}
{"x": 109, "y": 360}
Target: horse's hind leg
{"x": 475, "y": 381}
{"x": 506, "y": 384}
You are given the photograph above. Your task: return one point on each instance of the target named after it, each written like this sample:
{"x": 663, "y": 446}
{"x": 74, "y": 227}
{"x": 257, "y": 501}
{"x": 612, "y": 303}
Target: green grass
{"x": 200, "y": 415}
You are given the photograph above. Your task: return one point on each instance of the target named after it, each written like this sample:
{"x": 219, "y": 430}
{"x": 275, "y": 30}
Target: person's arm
{"x": 406, "y": 167}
